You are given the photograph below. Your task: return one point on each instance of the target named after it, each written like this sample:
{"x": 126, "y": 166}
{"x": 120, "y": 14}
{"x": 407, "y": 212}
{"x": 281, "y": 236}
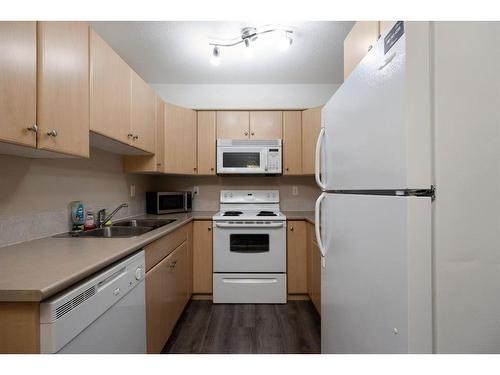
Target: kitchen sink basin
{"x": 115, "y": 231}
{"x": 153, "y": 223}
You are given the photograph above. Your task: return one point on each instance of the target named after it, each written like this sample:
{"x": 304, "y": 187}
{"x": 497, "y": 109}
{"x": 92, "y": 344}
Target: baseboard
{"x": 201, "y": 297}
{"x": 298, "y": 297}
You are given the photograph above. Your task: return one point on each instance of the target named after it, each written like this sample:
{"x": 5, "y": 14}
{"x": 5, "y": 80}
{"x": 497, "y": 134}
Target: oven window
{"x": 249, "y": 243}
{"x": 241, "y": 159}
{"x": 171, "y": 202}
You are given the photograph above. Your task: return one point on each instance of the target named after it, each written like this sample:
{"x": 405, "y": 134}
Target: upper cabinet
{"x": 358, "y": 42}
{"x": 311, "y": 125}
{"x": 18, "y": 83}
{"x": 292, "y": 142}
{"x": 206, "y": 142}
{"x": 266, "y": 124}
{"x": 109, "y": 91}
{"x": 142, "y": 115}
{"x": 63, "y": 87}
{"x": 180, "y": 140}
{"x": 233, "y": 124}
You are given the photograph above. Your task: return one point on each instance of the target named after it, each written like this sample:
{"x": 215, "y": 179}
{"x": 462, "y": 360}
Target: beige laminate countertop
{"x": 35, "y": 270}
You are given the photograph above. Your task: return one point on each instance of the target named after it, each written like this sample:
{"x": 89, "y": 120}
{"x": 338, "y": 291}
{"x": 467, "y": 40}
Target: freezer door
{"x": 376, "y": 279}
{"x": 377, "y": 127}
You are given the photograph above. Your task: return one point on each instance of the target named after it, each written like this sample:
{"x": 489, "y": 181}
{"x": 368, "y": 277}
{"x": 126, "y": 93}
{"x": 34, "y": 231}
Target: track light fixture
{"x": 248, "y": 36}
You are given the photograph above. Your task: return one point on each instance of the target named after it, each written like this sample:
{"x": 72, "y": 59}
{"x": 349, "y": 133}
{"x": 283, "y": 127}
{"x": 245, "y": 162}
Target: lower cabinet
{"x": 313, "y": 269}
{"x": 297, "y": 257}
{"x": 202, "y": 257}
{"x": 167, "y": 292}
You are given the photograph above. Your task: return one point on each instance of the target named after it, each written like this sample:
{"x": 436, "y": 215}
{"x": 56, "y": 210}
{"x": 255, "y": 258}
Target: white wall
{"x": 467, "y": 176}
{"x": 246, "y": 96}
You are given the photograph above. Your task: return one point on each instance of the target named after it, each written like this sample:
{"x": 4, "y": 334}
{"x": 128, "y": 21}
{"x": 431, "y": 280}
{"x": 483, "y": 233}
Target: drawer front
{"x": 249, "y": 288}
{"x": 160, "y": 248}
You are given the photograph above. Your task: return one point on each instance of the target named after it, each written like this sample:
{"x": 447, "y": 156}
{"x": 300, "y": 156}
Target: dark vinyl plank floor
{"x": 205, "y": 328}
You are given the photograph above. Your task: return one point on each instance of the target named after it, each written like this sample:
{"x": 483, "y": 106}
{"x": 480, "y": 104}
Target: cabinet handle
{"x": 130, "y": 135}
{"x": 286, "y": 168}
{"x": 209, "y": 229}
{"x": 33, "y": 128}
{"x": 291, "y": 229}
{"x": 136, "y": 137}
{"x": 52, "y": 133}
{"x": 158, "y": 164}
{"x": 173, "y": 264}
{"x": 246, "y": 133}
{"x": 252, "y": 133}
{"x": 194, "y": 169}
{"x": 212, "y": 168}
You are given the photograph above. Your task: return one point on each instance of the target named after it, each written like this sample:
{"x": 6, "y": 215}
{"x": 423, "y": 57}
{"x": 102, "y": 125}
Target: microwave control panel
{"x": 274, "y": 160}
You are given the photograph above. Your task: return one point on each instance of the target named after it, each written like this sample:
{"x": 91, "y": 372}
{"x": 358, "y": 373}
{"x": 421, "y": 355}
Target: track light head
{"x": 215, "y": 57}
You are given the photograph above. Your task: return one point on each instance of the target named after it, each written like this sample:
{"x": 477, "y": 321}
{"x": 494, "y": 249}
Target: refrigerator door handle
{"x": 317, "y": 163}
{"x": 317, "y": 224}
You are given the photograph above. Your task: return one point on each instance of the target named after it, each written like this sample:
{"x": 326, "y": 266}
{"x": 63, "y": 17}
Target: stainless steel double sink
{"x": 122, "y": 229}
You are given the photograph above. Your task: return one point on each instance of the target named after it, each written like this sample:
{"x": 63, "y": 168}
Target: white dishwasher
{"x": 103, "y": 314}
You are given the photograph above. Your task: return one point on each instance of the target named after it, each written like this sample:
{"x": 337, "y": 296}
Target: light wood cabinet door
{"x": 233, "y": 125}
{"x": 297, "y": 257}
{"x": 292, "y": 142}
{"x": 180, "y": 140}
{"x": 313, "y": 269}
{"x": 109, "y": 91}
{"x": 63, "y": 87}
{"x": 206, "y": 142}
{"x": 150, "y": 163}
{"x": 166, "y": 295}
{"x": 266, "y": 125}
{"x": 142, "y": 114}
{"x": 311, "y": 125}
{"x": 18, "y": 82}
{"x": 202, "y": 257}
{"x": 358, "y": 43}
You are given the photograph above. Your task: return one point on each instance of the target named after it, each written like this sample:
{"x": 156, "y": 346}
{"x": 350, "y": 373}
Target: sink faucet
{"x": 103, "y": 219}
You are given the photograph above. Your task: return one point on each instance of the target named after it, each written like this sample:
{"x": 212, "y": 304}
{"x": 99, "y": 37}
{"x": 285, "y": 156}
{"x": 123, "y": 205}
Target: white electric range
{"x": 249, "y": 248}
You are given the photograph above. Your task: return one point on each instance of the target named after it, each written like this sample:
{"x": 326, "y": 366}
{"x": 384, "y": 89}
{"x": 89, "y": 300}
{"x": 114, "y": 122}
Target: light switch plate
{"x": 132, "y": 191}
{"x": 295, "y": 190}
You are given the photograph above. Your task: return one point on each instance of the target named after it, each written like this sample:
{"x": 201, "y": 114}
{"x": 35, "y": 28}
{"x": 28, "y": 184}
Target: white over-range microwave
{"x": 249, "y": 156}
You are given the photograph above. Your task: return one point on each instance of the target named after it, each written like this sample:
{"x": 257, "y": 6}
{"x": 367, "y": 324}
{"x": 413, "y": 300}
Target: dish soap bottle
{"x": 77, "y": 215}
{"x": 89, "y": 221}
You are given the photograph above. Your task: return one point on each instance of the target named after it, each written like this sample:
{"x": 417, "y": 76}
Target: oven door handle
{"x": 249, "y": 281}
{"x": 263, "y": 226}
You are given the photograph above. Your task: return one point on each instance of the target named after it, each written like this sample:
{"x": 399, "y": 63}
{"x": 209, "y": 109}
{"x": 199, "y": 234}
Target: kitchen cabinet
{"x": 311, "y": 125}
{"x": 313, "y": 269}
{"x": 150, "y": 163}
{"x": 297, "y": 257}
{"x": 142, "y": 115}
{"x": 292, "y": 142}
{"x": 358, "y": 43}
{"x": 233, "y": 124}
{"x": 110, "y": 91}
{"x": 266, "y": 125}
{"x": 18, "y": 82}
{"x": 206, "y": 142}
{"x": 180, "y": 140}
{"x": 189, "y": 272}
{"x": 202, "y": 257}
{"x": 166, "y": 296}
{"x": 63, "y": 87}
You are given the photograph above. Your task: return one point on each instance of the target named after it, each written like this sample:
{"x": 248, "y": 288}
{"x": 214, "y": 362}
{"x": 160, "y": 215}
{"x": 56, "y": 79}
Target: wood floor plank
{"x": 246, "y": 328}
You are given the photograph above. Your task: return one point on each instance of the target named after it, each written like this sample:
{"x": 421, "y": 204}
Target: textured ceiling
{"x": 178, "y": 52}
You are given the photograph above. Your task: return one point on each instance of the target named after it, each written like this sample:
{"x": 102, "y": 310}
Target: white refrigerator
{"x": 373, "y": 218}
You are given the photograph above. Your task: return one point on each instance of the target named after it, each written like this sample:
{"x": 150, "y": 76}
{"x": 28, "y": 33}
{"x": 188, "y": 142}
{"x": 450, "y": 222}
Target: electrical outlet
{"x": 132, "y": 191}
{"x": 295, "y": 190}
{"x": 196, "y": 190}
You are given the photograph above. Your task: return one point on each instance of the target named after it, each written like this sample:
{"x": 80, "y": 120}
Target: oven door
{"x": 242, "y": 160}
{"x": 249, "y": 246}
